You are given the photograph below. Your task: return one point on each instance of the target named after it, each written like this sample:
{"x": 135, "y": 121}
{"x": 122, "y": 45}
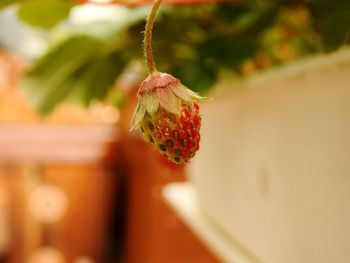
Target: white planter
{"x": 274, "y": 167}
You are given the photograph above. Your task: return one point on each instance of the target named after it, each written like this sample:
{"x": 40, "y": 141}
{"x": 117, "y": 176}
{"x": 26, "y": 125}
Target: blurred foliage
{"x": 44, "y": 13}
{"x": 117, "y": 98}
{"x": 197, "y": 44}
{"x": 6, "y": 3}
{"x": 81, "y": 68}
{"x": 332, "y": 19}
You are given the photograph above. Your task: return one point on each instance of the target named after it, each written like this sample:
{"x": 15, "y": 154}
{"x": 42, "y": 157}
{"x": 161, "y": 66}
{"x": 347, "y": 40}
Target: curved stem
{"x": 147, "y": 41}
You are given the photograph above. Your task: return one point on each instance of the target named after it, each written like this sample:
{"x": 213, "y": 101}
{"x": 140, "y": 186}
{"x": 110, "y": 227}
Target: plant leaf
{"x": 44, "y": 13}
{"x": 96, "y": 78}
{"x": 332, "y": 20}
{"x": 196, "y": 75}
{"x": 6, "y": 3}
{"x": 51, "y": 79}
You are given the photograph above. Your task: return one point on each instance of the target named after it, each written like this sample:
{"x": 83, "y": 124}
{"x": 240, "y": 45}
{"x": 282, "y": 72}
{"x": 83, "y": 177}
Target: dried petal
{"x": 138, "y": 115}
{"x": 156, "y": 81}
{"x": 169, "y": 101}
{"x": 186, "y": 94}
{"x": 151, "y": 102}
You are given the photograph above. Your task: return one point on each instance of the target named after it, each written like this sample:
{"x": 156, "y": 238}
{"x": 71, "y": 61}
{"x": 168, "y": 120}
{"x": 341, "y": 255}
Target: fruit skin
{"x": 168, "y": 116}
{"x": 176, "y": 137}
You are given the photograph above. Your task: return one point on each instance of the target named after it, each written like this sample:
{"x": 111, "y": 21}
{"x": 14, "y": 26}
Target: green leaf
{"x": 96, "y": 78}
{"x": 226, "y": 51}
{"x": 196, "y": 74}
{"x": 80, "y": 69}
{"x": 59, "y": 54}
{"x": 52, "y": 78}
{"x": 332, "y": 20}
{"x": 6, "y": 3}
{"x": 56, "y": 90}
{"x": 44, "y": 13}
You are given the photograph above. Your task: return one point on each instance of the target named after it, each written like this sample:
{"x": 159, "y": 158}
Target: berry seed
{"x": 175, "y": 135}
{"x": 158, "y": 135}
{"x": 150, "y": 126}
{"x": 162, "y": 147}
{"x": 169, "y": 143}
{"x": 151, "y": 139}
{"x": 166, "y": 131}
{"x": 177, "y": 152}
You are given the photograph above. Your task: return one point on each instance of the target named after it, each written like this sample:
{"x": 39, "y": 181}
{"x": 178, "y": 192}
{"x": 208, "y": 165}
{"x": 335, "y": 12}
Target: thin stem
{"x": 147, "y": 41}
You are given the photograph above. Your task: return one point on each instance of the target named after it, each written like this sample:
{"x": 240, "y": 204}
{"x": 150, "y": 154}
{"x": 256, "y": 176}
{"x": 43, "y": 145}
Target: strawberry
{"x": 168, "y": 116}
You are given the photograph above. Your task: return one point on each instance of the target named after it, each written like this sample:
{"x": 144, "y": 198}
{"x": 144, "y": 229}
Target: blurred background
{"x": 77, "y": 186}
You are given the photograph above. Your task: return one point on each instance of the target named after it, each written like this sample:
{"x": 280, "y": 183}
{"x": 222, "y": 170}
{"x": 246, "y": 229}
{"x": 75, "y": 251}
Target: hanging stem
{"x": 147, "y": 41}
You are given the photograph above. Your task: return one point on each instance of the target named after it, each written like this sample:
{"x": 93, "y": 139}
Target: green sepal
{"x": 186, "y": 94}
{"x": 152, "y": 103}
{"x": 169, "y": 101}
{"x": 138, "y": 115}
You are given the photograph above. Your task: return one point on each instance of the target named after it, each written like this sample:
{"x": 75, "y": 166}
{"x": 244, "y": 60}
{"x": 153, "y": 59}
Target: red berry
{"x": 171, "y": 136}
{"x": 169, "y": 117}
